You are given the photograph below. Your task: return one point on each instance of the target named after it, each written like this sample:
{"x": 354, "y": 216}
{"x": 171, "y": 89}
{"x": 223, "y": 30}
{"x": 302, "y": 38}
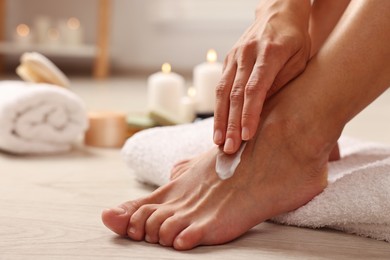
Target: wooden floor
{"x": 50, "y": 205}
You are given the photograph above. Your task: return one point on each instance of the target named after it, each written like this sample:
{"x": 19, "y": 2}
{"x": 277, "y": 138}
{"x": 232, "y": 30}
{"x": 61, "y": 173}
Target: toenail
{"x": 118, "y": 210}
{"x": 162, "y": 243}
{"x": 179, "y": 243}
{"x": 132, "y": 230}
{"x": 147, "y": 238}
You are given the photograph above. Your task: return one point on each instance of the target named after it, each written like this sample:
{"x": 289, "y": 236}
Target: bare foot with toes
{"x": 197, "y": 208}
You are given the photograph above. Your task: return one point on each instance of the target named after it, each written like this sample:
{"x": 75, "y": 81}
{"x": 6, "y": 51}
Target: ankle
{"x": 310, "y": 137}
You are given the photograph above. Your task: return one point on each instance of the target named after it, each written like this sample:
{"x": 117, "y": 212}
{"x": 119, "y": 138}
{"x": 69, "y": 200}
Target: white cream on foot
{"x": 227, "y": 163}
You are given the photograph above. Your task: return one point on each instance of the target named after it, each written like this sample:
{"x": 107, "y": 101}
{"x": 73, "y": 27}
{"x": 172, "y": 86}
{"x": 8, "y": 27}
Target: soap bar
{"x": 137, "y": 122}
{"x": 226, "y": 164}
{"x": 164, "y": 118}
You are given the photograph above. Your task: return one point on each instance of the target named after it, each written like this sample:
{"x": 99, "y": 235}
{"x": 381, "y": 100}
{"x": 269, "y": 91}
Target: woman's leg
{"x": 324, "y": 16}
{"x": 284, "y": 166}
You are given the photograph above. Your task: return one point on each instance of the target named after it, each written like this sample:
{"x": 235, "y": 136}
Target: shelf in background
{"x": 81, "y": 51}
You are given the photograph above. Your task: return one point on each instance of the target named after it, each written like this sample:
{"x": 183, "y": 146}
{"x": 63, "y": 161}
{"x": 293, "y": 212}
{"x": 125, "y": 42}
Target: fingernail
{"x": 229, "y": 145}
{"x": 245, "y": 134}
{"x": 118, "y": 210}
{"x": 218, "y": 137}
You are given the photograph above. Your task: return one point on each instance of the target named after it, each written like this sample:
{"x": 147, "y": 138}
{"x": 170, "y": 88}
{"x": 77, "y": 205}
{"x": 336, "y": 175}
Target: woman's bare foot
{"x": 276, "y": 175}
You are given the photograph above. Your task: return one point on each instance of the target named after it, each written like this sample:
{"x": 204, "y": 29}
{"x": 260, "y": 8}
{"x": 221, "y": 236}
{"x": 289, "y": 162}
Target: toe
{"x": 117, "y": 219}
{"x": 171, "y": 228}
{"x": 153, "y": 224}
{"x": 189, "y": 238}
{"x": 136, "y": 227}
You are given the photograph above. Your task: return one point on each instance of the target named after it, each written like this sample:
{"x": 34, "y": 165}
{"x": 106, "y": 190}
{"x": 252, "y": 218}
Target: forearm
{"x": 320, "y": 18}
{"x": 324, "y": 16}
{"x": 298, "y": 8}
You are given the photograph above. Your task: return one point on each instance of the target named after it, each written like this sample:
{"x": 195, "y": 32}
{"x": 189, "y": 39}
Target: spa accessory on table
{"x": 357, "y": 199}
{"x": 206, "y": 78}
{"x": 165, "y": 90}
{"x": 106, "y": 129}
{"x": 39, "y": 118}
{"x": 138, "y": 122}
{"x": 34, "y": 67}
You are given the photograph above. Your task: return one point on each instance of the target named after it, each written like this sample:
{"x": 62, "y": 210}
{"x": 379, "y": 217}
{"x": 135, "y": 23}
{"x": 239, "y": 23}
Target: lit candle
{"x": 41, "y": 27}
{"x": 165, "y": 90}
{"x": 53, "y": 36}
{"x": 23, "y": 34}
{"x": 206, "y": 78}
{"x": 187, "y": 106}
{"x": 191, "y": 92}
{"x": 73, "y": 32}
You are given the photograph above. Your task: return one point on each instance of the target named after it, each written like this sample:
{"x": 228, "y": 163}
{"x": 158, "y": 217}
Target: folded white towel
{"x": 39, "y": 118}
{"x": 357, "y": 199}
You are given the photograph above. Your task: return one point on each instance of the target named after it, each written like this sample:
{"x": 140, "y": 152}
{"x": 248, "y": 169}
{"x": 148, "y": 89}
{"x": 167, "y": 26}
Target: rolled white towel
{"x": 39, "y": 118}
{"x": 357, "y": 199}
{"x": 151, "y": 154}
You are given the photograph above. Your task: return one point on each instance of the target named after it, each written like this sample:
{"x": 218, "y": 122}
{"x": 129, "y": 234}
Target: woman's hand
{"x": 273, "y": 51}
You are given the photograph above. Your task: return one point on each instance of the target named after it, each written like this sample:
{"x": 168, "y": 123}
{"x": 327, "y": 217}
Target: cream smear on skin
{"x": 227, "y": 164}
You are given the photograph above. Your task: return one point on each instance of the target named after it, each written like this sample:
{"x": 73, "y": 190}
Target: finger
{"x": 225, "y": 63}
{"x": 233, "y": 134}
{"x": 221, "y": 112}
{"x": 260, "y": 81}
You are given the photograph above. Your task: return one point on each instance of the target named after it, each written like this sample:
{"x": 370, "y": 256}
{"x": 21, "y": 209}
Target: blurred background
{"x": 140, "y": 34}
{"x": 109, "y": 48}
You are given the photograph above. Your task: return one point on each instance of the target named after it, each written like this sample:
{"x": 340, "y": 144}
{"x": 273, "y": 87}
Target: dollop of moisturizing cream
{"x": 227, "y": 163}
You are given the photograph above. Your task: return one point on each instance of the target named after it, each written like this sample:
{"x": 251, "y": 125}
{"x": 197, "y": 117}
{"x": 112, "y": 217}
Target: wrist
{"x": 300, "y": 8}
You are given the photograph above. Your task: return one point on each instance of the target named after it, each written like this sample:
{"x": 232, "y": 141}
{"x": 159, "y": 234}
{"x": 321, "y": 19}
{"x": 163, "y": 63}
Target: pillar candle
{"x": 187, "y": 110}
{"x": 42, "y": 25}
{"x": 23, "y": 34}
{"x": 165, "y": 90}
{"x": 206, "y": 78}
{"x": 53, "y": 36}
{"x": 72, "y": 31}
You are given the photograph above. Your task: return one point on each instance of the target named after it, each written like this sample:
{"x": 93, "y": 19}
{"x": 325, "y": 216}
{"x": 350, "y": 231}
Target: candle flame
{"x": 191, "y": 92}
{"x": 23, "y": 30}
{"x": 212, "y": 55}
{"x": 166, "y": 68}
{"x": 53, "y": 34}
{"x": 73, "y": 23}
